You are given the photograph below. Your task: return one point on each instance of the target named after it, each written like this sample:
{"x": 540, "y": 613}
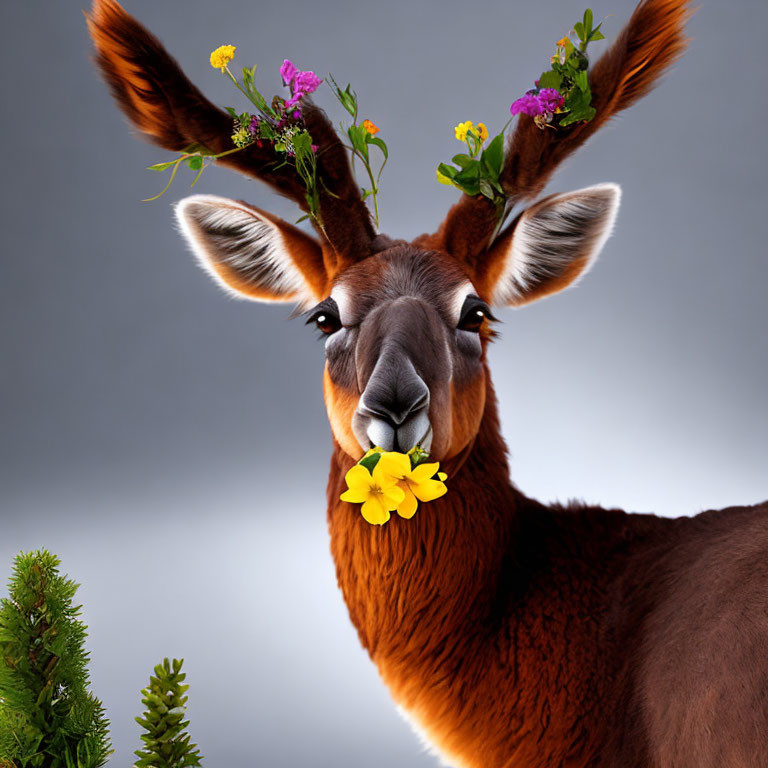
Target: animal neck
{"x": 414, "y": 586}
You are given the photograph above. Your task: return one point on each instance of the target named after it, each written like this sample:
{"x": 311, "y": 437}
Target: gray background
{"x": 150, "y": 425}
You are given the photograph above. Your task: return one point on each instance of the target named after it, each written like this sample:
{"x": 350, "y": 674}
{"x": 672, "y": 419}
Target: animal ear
{"x": 549, "y": 246}
{"x": 250, "y": 253}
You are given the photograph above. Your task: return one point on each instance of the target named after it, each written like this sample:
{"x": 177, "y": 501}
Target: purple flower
{"x": 306, "y": 82}
{"x": 528, "y": 104}
{"x": 551, "y": 99}
{"x": 288, "y": 71}
{"x": 293, "y": 101}
{"x": 254, "y": 126}
{"x": 296, "y": 114}
{"x": 301, "y": 82}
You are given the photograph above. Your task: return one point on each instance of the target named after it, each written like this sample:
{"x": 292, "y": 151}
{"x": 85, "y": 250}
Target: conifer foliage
{"x": 48, "y": 717}
{"x": 166, "y": 743}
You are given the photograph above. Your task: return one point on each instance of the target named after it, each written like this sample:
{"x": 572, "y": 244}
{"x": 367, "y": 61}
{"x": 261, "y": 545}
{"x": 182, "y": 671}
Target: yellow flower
{"x": 562, "y": 41}
{"x": 482, "y": 131}
{"x": 370, "y": 127}
{"x": 417, "y": 483}
{"x": 461, "y": 130}
{"x": 222, "y": 56}
{"x": 377, "y": 492}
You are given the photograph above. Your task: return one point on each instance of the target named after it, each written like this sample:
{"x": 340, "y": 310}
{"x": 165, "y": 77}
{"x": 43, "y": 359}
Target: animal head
{"x": 406, "y": 325}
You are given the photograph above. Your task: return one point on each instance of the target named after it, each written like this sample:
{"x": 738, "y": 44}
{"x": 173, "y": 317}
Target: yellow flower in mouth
{"x": 482, "y": 131}
{"x": 462, "y": 128}
{"x": 417, "y": 484}
{"x": 222, "y": 56}
{"x": 378, "y": 491}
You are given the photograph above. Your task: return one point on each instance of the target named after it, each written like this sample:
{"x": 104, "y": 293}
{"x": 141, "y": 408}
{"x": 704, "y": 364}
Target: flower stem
{"x": 240, "y": 88}
{"x": 176, "y": 166}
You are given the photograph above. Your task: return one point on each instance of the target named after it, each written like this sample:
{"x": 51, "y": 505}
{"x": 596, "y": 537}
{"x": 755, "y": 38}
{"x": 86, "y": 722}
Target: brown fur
{"x": 167, "y": 108}
{"x": 649, "y": 44}
{"x": 517, "y": 635}
{"x": 304, "y": 251}
{"x": 526, "y": 636}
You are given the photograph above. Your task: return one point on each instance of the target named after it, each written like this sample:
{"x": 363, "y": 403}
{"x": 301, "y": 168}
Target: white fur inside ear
{"x": 553, "y": 234}
{"x": 226, "y": 233}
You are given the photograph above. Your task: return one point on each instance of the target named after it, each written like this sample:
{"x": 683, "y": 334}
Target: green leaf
{"x": 578, "y": 28}
{"x": 266, "y": 131}
{"x": 581, "y": 80}
{"x": 470, "y": 188}
{"x": 551, "y": 79}
{"x": 348, "y": 100}
{"x": 447, "y": 170}
{"x": 584, "y": 114}
{"x": 163, "y": 166}
{"x": 596, "y": 34}
{"x": 378, "y": 143}
{"x": 468, "y": 175}
{"x": 462, "y": 160}
{"x": 588, "y": 21}
{"x": 232, "y": 112}
{"x": 369, "y": 462}
{"x": 195, "y": 162}
{"x": 577, "y": 99}
{"x": 485, "y": 189}
{"x": 493, "y": 156}
{"x": 357, "y": 135}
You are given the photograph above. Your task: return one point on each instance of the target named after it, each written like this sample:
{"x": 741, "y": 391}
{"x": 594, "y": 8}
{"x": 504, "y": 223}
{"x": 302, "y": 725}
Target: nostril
{"x": 395, "y": 414}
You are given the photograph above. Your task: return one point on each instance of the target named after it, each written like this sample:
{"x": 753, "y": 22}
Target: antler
{"x": 651, "y": 41}
{"x": 160, "y": 101}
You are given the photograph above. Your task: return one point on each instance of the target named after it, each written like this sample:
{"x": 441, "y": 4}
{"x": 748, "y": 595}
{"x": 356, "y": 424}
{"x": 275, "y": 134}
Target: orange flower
{"x": 370, "y": 127}
{"x": 562, "y": 41}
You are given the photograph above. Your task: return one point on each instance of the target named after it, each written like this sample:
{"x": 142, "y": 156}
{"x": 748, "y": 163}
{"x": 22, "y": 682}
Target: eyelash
{"x": 472, "y": 318}
{"x": 326, "y": 321}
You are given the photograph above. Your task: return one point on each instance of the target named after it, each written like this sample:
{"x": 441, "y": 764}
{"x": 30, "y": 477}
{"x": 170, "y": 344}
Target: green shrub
{"x": 166, "y": 743}
{"x": 48, "y": 717}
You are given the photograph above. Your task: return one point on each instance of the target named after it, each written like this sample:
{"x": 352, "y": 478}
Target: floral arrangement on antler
{"x": 280, "y": 124}
{"x": 388, "y": 481}
{"x": 561, "y": 97}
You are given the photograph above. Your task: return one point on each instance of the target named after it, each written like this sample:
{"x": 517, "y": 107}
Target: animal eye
{"x": 326, "y": 317}
{"x": 473, "y": 313}
{"x": 327, "y": 323}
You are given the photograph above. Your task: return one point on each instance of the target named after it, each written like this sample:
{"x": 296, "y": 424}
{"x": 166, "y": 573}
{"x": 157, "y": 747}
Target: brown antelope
{"x": 511, "y": 633}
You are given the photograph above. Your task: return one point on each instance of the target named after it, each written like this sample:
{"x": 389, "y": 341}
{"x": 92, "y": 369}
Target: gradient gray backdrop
{"x": 151, "y": 427}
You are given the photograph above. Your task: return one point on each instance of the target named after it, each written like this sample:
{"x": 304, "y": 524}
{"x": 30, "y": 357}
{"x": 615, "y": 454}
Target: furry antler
{"x": 651, "y": 41}
{"x": 160, "y": 101}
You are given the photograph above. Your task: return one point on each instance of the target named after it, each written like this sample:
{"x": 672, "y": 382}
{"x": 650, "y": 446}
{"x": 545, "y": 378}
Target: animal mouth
{"x": 381, "y": 435}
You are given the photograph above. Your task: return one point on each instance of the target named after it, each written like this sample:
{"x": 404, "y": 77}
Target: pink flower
{"x": 293, "y": 101}
{"x": 288, "y": 71}
{"x": 306, "y": 82}
{"x": 301, "y": 82}
{"x": 528, "y": 104}
{"x": 551, "y": 99}
{"x": 315, "y": 147}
